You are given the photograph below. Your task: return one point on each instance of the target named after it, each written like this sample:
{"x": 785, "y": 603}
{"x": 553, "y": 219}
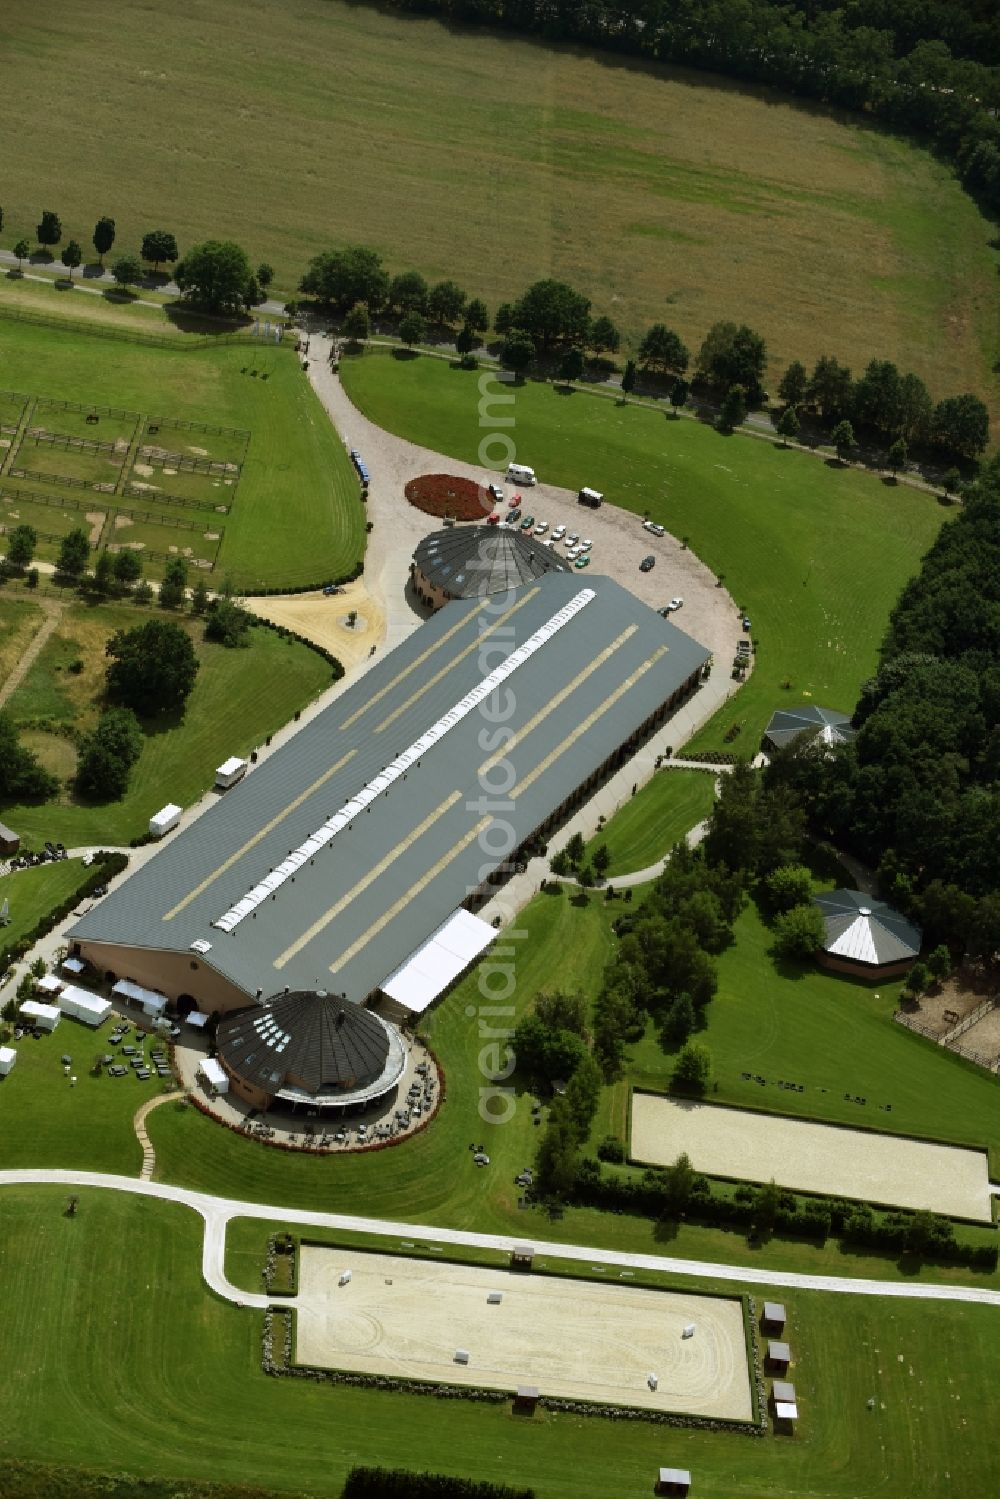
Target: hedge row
{"x": 249, "y": 591}
{"x": 398, "y": 1483}
{"x": 814, "y": 1218}
{"x": 104, "y": 866}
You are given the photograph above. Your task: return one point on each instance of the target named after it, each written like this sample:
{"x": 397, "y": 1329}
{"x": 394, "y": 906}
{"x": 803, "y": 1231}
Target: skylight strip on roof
{"x": 391, "y": 773}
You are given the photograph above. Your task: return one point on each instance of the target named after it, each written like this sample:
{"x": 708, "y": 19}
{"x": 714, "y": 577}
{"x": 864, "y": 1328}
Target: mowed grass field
{"x": 662, "y": 194}
{"x": 295, "y": 516}
{"x": 115, "y": 1357}
{"x": 658, "y": 816}
{"x": 816, "y": 554}
{"x": 239, "y": 697}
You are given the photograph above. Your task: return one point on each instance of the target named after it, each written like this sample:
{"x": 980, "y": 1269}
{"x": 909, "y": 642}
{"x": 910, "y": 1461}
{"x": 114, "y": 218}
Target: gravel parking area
{"x": 813, "y": 1157}
{"x": 574, "y": 1339}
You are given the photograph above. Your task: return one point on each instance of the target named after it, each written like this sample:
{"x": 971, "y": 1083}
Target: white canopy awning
{"x": 786, "y": 1410}
{"x": 212, "y": 1072}
{"x": 82, "y": 1005}
{"x": 152, "y": 1003}
{"x": 73, "y": 965}
{"x": 198, "y": 1020}
{"x": 49, "y": 983}
{"x": 435, "y": 965}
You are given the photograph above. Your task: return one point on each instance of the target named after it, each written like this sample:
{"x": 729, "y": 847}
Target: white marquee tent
{"x": 435, "y": 965}
{"x": 151, "y": 1002}
{"x": 90, "y": 1008}
{"x": 214, "y": 1075}
{"x": 8, "y": 1056}
{"x": 46, "y": 1017}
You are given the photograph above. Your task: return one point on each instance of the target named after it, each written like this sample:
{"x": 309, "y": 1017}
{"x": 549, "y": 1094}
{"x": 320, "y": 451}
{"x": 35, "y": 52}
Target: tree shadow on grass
{"x": 190, "y": 319}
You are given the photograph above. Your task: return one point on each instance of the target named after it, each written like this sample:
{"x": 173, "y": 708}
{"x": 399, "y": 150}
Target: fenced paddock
{"x": 576, "y": 1340}
{"x": 798, "y": 1153}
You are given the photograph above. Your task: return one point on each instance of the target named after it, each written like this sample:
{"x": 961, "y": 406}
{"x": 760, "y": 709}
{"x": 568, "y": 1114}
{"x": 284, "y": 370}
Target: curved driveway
{"x": 217, "y": 1212}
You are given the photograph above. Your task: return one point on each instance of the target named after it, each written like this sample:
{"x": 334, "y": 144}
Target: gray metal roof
{"x": 363, "y": 899}
{"x": 828, "y": 724}
{"x": 864, "y": 930}
{"x": 468, "y": 561}
{"x": 312, "y": 1042}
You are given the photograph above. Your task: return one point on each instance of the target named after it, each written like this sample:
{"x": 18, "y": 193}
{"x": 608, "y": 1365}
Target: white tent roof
{"x": 152, "y": 1003}
{"x": 79, "y": 999}
{"x": 166, "y": 814}
{"x": 8, "y": 1056}
{"x": 446, "y": 954}
{"x": 198, "y": 1020}
{"x": 213, "y": 1072}
{"x": 73, "y": 965}
{"x": 49, "y": 983}
{"x": 39, "y": 1011}
{"x": 230, "y": 767}
{"x": 786, "y": 1410}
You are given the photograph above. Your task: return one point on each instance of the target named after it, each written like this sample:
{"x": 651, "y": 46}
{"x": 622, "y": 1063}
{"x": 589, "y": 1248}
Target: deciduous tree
{"x": 127, "y": 271}
{"x": 793, "y": 384}
{"x": 413, "y": 329}
{"x": 108, "y": 754}
{"x": 216, "y": 275}
{"x": 21, "y": 252}
{"x": 663, "y": 349}
{"x": 159, "y": 246}
{"x": 153, "y": 667}
{"x": 21, "y": 545}
{"x": 72, "y": 256}
{"x": 446, "y": 302}
{"x": 104, "y": 236}
{"x": 49, "y": 229}
{"x": 74, "y": 553}
{"x": 693, "y": 1069}
{"x": 343, "y": 277}
{"x": 518, "y": 351}
{"x": 357, "y": 323}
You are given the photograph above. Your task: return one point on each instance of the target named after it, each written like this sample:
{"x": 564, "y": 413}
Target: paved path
{"x": 139, "y": 1125}
{"x": 92, "y": 278}
{"x": 218, "y": 1211}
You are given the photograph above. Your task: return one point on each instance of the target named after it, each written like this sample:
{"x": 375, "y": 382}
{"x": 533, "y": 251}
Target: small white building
{"x": 168, "y": 817}
{"x": 49, "y": 983}
{"x": 8, "y": 1056}
{"x": 229, "y": 772}
{"x": 214, "y": 1077}
{"x": 45, "y": 1017}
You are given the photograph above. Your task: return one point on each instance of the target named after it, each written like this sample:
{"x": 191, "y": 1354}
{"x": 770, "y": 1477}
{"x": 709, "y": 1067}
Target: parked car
{"x": 586, "y": 544}
{"x": 527, "y": 523}
{"x": 558, "y": 533}
{"x": 496, "y": 492}
{"x": 493, "y": 520}
{"x": 746, "y": 623}
{"x": 541, "y": 528}
{"x": 675, "y": 604}
{"x": 583, "y": 561}
{"x": 573, "y": 538}
{"x": 515, "y": 499}
{"x": 647, "y": 564}
{"x": 514, "y": 515}
{"x": 331, "y": 589}
{"x": 650, "y": 525}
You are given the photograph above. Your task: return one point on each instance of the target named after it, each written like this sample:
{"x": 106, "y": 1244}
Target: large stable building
{"x": 342, "y": 862}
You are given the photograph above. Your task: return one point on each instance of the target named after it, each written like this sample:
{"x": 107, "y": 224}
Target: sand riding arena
{"x": 798, "y": 1153}
{"x": 573, "y": 1339}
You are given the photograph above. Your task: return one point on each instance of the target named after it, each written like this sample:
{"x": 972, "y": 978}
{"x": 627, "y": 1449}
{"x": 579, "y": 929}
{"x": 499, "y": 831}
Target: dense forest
{"x": 918, "y": 792}
{"x": 925, "y": 67}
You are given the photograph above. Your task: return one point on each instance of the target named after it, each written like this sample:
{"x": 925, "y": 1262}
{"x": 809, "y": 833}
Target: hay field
{"x": 889, "y": 1169}
{"x": 572, "y": 1338}
{"x": 292, "y": 124}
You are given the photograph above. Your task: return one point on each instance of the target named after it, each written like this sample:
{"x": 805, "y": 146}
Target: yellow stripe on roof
{"x": 262, "y": 833}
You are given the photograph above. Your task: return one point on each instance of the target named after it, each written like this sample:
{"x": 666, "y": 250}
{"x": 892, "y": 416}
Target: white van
{"x": 518, "y": 474}
{"x": 590, "y": 497}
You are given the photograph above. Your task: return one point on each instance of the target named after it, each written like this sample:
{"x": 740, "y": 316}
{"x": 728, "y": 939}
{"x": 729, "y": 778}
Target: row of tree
{"x": 553, "y": 319}
{"x": 216, "y": 275}
{"x": 925, "y": 67}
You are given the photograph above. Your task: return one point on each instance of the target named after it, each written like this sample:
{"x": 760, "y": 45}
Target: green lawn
{"x": 46, "y": 1122}
{"x": 663, "y": 194}
{"x": 114, "y": 1356}
{"x": 793, "y": 536}
{"x": 239, "y": 697}
{"x": 647, "y": 827}
{"x": 296, "y": 517}
{"x": 32, "y": 893}
{"x": 836, "y": 1036}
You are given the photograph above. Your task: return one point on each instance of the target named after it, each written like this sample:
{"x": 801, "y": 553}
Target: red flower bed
{"x": 444, "y": 494}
